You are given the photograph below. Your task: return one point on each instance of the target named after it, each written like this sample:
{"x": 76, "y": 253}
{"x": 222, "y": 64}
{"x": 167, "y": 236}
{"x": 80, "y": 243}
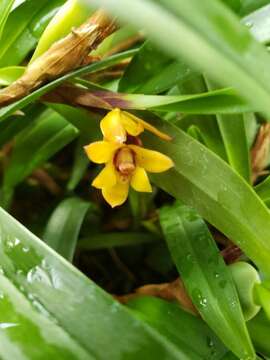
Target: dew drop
{"x": 25, "y": 249}
{"x": 210, "y": 342}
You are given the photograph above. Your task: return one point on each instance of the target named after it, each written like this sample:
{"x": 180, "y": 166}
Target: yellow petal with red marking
{"x": 107, "y": 177}
{"x": 112, "y": 128}
{"x": 152, "y": 161}
{"x": 140, "y": 181}
{"x": 148, "y": 127}
{"x": 116, "y": 195}
{"x": 132, "y": 127}
{"x": 101, "y": 152}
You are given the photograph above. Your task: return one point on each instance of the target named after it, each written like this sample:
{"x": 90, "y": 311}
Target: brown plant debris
{"x": 260, "y": 152}
{"x": 63, "y": 56}
{"x": 172, "y": 291}
{"x": 231, "y": 254}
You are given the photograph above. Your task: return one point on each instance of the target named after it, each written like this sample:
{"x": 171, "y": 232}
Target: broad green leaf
{"x": 63, "y": 228}
{"x": 212, "y": 39}
{"x": 186, "y": 331}
{"x": 29, "y": 334}
{"x": 10, "y": 74}
{"x": 72, "y": 14}
{"x": 5, "y": 7}
{"x": 35, "y": 145}
{"x": 259, "y": 329}
{"x": 206, "y": 278}
{"x": 205, "y": 182}
{"x": 50, "y": 292}
{"x": 152, "y": 72}
{"x": 23, "y": 29}
{"x": 6, "y": 111}
{"x": 109, "y": 240}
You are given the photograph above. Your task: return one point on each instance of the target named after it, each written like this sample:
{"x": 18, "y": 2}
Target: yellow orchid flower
{"x": 117, "y": 124}
{"x": 126, "y": 164}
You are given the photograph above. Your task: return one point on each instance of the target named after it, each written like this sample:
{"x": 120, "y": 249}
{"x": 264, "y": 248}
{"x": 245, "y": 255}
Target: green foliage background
{"x": 200, "y": 71}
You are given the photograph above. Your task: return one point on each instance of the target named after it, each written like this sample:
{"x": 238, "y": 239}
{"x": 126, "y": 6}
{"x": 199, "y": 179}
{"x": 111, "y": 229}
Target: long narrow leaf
{"x": 206, "y": 278}
{"x": 64, "y": 225}
{"x": 5, "y": 7}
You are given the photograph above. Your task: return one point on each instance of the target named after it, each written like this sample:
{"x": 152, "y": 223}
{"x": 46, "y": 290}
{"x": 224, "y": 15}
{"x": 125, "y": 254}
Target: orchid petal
{"x": 140, "y": 181}
{"x": 152, "y": 161}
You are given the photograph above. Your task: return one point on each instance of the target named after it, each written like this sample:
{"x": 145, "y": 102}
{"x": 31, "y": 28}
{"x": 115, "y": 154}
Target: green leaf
{"x": 6, "y": 111}
{"x": 189, "y": 333}
{"x": 233, "y": 131}
{"x": 63, "y": 228}
{"x": 19, "y": 122}
{"x": 109, "y": 240}
{"x": 44, "y": 289}
{"x": 251, "y": 5}
{"x": 152, "y": 72}
{"x": 209, "y": 131}
{"x": 263, "y": 189}
{"x": 212, "y": 39}
{"x": 259, "y": 329}
{"x": 10, "y": 74}
{"x": 80, "y": 165}
{"x": 23, "y": 29}
{"x": 207, "y": 124}
{"x": 205, "y": 182}
{"x": 72, "y": 14}
{"x": 85, "y": 121}
{"x": 224, "y": 101}
{"x": 5, "y": 7}
{"x": 262, "y": 297}
{"x": 35, "y": 145}
{"x": 206, "y": 278}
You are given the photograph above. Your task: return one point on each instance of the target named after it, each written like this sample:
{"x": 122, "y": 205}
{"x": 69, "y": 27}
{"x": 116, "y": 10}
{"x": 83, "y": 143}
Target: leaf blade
{"x": 206, "y": 277}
